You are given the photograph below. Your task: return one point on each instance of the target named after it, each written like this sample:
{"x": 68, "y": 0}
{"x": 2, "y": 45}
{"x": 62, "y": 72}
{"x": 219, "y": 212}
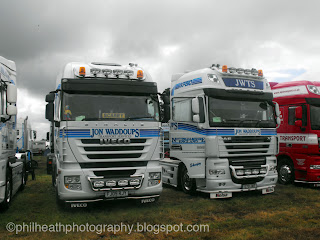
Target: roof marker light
{"x": 240, "y": 70}
{"x": 247, "y": 71}
{"x": 225, "y": 68}
{"x": 82, "y": 71}
{"x": 260, "y": 73}
{"x": 117, "y": 72}
{"x": 128, "y": 73}
{"x": 95, "y": 71}
{"x": 140, "y": 74}
{"x": 106, "y": 72}
{"x": 232, "y": 70}
{"x": 254, "y": 72}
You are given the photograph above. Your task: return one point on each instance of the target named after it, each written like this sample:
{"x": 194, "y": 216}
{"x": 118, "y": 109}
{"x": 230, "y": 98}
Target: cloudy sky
{"x": 165, "y": 37}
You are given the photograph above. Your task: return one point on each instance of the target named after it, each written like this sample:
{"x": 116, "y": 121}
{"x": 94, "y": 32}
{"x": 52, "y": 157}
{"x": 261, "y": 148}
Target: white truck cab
{"x": 223, "y": 135}
{"x": 12, "y": 170}
{"x": 107, "y": 134}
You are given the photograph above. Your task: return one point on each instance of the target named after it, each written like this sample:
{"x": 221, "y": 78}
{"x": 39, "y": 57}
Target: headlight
{"x": 72, "y": 179}
{"x": 153, "y": 182}
{"x": 273, "y": 168}
{"x": 313, "y": 89}
{"x": 74, "y": 186}
{"x": 217, "y": 171}
{"x": 155, "y": 175}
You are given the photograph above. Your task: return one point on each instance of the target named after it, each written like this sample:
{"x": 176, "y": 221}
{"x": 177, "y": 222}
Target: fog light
{"x": 247, "y": 172}
{"x": 123, "y": 183}
{"x": 255, "y": 171}
{"x": 98, "y": 184}
{"x": 240, "y": 172}
{"x": 314, "y": 166}
{"x": 134, "y": 182}
{"x": 153, "y": 182}
{"x": 73, "y": 186}
{"x": 111, "y": 183}
{"x": 263, "y": 170}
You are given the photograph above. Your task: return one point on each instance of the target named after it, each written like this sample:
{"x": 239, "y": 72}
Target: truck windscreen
{"x": 87, "y": 107}
{"x": 314, "y": 117}
{"x": 229, "y": 113}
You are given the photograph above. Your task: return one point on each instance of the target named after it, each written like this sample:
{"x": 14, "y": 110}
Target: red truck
{"x": 299, "y": 131}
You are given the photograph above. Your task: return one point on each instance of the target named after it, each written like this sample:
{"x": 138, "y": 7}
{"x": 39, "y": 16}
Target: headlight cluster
{"x": 154, "y": 178}
{"x": 109, "y": 183}
{"x": 72, "y": 183}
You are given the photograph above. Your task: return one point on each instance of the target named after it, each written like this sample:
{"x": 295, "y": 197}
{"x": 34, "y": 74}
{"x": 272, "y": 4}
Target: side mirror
{"x": 298, "y": 112}
{"x": 278, "y": 121}
{"x": 50, "y": 97}
{"x": 195, "y": 106}
{"x": 11, "y": 110}
{"x": 48, "y": 138}
{"x": 34, "y": 134}
{"x": 196, "y": 118}
{"x": 298, "y": 123}
{"x": 49, "y": 112}
{"x": 11, "y": 93}
{"x": 277, "y": 109}
{"x": 166, "y": 113}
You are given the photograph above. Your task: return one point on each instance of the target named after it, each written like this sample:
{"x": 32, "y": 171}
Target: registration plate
{"x": 116, "y": 194}
{"x": 316, "y": 185}
{"x": 249, "y": 186}
{"x": 268, "y": 190}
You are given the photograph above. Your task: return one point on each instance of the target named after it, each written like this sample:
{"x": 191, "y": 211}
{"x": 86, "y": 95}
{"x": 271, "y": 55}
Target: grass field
{"x": 292, "y": 212}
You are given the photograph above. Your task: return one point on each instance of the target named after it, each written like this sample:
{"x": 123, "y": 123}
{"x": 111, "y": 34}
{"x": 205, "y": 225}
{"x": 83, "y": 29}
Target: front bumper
{"x": 88, "y": 194}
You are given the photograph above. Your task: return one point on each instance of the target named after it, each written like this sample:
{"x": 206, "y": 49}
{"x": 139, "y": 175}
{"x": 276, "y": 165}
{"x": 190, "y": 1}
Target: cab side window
{"x": 292, "y": 115}
{"x": 181, "y": 110}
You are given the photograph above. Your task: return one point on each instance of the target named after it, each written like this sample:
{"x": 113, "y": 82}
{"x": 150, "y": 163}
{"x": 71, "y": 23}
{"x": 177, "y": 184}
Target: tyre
{"x": 8, "y": 192}
{"x": 285, "y": 171}
{"x": 187, "y": 184}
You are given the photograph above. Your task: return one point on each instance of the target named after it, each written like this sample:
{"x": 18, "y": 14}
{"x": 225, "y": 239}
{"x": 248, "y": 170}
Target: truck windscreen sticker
{"x": 243, "y": 83}
{"x": 113, "y": 115}
{"x": 109, "y": 132}
{"x": 186, "y": 83}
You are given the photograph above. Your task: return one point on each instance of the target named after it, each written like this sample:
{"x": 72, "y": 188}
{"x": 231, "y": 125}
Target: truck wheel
{"x": 285, "y": 171}
{"x": 61, "y": 204}
{"x": 8, "y": 193}
{"x": 187, "y": 184}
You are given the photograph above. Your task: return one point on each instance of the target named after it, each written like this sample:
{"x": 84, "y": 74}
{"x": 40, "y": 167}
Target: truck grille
{"x": 93, "y": 149}
{"x": 244, "y": 146}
